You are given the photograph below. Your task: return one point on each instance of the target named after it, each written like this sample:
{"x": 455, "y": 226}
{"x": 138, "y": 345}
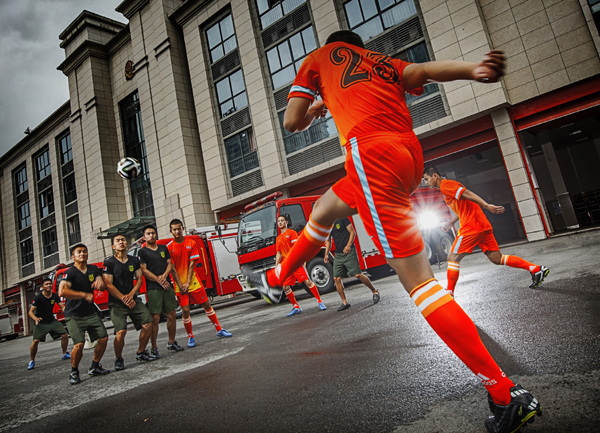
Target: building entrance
{"x": 564, "y": 156}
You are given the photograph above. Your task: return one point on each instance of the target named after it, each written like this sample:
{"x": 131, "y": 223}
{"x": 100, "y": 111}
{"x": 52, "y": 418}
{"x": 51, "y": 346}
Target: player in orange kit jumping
{"x": 475, "y": 230}
{"x": 364, "y": 91}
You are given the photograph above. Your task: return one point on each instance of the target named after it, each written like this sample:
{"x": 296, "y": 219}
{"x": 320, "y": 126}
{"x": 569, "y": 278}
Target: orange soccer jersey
{"x": 472, "y": 219}
{"x": 285, "y": 241}
{"x": 363, "y": 90}
{"x": 181, "y": 255}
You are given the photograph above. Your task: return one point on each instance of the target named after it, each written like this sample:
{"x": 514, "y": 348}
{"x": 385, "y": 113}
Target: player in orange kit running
{"x": 475, "y": 230}
{"x": 189, "y": 290}
{"x": 283, "y": 245}
{"x": 364, "y": 91}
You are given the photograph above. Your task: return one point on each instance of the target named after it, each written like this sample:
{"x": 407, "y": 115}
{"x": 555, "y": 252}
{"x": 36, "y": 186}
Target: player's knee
{"x": 35, "y": 342}
{"x": 337, "y": 279}
{"x": 120, "y": 334}
{"x": 65, "y": 336}
{"x": 171, "y": 315}
{"x": 452, "y": 257}
{"x": 103, "y": 339}
{"x": 78, "y": 346}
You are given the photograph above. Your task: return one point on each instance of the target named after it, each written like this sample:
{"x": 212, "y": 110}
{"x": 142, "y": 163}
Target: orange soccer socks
{"x": 458, "y": 331}
{"x": 518, "y": 262}
{"x": 452, "y": 275}
{"x": 187, "y": 324}
{"x": 315, "y": 292}
{"x": 290, "y": 295}
{"x": 210, "y": 313}
{"x": 306, "y": 247}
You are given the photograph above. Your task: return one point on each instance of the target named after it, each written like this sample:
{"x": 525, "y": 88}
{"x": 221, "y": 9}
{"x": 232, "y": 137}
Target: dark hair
{"x": 175, "y": 222}
{"x": 79, "y": 245}
{"x": 46, "y": 279}
{"x": 431, "y": 170}
{"x": 148, "y": 226}
{"x": 112, "y": 240}
{"x": 346, "y": 36}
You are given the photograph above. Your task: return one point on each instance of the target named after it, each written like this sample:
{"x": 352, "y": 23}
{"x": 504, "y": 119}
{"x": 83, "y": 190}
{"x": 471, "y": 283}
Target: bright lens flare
{"x": 428, "y": 220}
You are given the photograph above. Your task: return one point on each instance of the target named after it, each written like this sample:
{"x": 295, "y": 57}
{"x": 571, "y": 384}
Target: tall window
{"x": 231, "y": 93}
{"x": 24, "y": 215}
{"x": 46, "y": 202}
{"x": 21, "y": 180}
{"x": 66, "y": 152}
{"x": 26, "y": 252}
{"x": 272, "y": 10}
{"x": 42, "y": 162}
{"x": 241, "y": 153}
{"x": 69, "y": 188}
{"x": 285, "y": 58}
{"x": 73, "y": 230}
{"x": 221, "y": 38}
{"x": 49, "y": 241}
{"x": 369, "y": 18}
{"x": 135, "y": 146}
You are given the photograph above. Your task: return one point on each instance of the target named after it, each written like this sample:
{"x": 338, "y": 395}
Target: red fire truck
{"x": 257, "y": 233}
{"x": 217, "y": 267}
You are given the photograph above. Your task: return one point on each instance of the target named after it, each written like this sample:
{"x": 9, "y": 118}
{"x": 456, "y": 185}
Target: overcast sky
{"x": 31, "y": 88}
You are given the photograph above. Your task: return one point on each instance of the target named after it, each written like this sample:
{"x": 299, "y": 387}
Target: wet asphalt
{"x": 376, "y": 368}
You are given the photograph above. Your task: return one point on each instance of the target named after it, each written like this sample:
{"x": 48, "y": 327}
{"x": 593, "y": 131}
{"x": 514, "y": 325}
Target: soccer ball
{"x": 129, "y": 168}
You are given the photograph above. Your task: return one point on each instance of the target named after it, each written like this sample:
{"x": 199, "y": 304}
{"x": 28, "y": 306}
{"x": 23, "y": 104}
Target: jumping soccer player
{"x": 475, "y": 230}
{"x": 120, "y": 271}
{"x": 77, "y": 286}
{"x": 345, "y": 262}
{"x": 156, "y": 267}
{"x": 42, "y": 314}
{"x": 283, "y": 245}
{"x": 189, "y": 290}
{"x": 364, "y": 91}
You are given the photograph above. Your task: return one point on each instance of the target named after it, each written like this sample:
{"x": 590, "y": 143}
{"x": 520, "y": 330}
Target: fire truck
{"x": 258, "y": 231}
{"x": 217, "y": 269}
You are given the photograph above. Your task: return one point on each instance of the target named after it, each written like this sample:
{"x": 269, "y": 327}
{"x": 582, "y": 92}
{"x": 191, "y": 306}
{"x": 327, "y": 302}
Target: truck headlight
{"x": 428, "y": 220}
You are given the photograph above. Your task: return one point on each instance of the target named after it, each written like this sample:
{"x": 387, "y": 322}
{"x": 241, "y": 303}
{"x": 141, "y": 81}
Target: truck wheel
{"x": 428, "y": 250}
{"x": 256, "y": 294}
{"x": 444, "y": 246}
{"x": 321, "y": 274}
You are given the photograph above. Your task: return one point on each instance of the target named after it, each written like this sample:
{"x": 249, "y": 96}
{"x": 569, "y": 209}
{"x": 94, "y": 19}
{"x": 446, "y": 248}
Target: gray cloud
{"x": 31, "y": 88}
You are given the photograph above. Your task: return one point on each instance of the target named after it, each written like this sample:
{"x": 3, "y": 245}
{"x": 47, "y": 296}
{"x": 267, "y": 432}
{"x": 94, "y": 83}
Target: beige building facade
{"x": 196, "y": 90}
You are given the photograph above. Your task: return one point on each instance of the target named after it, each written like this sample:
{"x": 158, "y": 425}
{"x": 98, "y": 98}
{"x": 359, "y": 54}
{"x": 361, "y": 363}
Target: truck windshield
{"x": 258, "y": 226}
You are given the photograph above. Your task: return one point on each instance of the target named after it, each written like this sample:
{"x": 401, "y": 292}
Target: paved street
{"x": 370, "y": 368}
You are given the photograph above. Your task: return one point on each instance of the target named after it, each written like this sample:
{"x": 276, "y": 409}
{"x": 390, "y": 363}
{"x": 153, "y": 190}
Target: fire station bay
{"x": 196, "y": 90}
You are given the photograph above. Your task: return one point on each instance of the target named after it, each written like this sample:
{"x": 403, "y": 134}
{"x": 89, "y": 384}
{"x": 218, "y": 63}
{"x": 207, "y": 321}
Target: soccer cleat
{"x": 98, "y": 371}
{"x": 191, "y": 342}
{"x": 376, "y": 297}
{"x": 154, "y": 352}
{"x": 31, "y": 365}
{"x": 510, "y": 418}
{"x": 344, "y": 307}
{"x": 322, "y": 306}
{"x": 538, "y": 277}
{"x": 66, "y": 356}
{"x": 259, "y": 280}
{"x": 174, "y": 347}
{"x": 74, "y": 378}
{"x": 294, "y": 311}
{"x": 224, "y": 334}
{"x": 144, "y": 356}
{"x": 119, "y": 364}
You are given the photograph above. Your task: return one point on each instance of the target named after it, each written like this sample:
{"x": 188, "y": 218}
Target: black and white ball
{"x": 129, "y": 168}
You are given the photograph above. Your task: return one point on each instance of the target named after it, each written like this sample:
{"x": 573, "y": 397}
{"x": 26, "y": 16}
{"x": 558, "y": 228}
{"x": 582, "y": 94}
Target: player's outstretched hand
{"x": 446, "y": 226}
{"x": 495, "y": 209}
{"x": 318, "y": 109}
{"x": 491, "y": 67}
{"x": 88, "y": 297}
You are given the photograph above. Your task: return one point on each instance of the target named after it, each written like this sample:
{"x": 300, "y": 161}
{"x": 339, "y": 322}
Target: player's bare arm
{"x": 277, "y": 258}
{"x": 301, "y": 112}
{"x": 65, "y": 291}
{"x": 450, "y": 223}
{"x": 138, "y": 283}
{"x": 98, "y": 284}
{"x": 348, "y": 247}
{"x": 32, "y": 314}
{"x": 187, "y": 284}
{"x": 182, "y": 287}
{"x": 162, "y": 279}
{"x": 108, "y": 281}
{"x": 327, "y": 249}
{"x": 488, "y": 70}
{"x": 471, "y": 196}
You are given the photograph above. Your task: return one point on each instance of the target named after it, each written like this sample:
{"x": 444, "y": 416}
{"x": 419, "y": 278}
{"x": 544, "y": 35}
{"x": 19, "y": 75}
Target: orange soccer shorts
{"x": 466, "y": 244}
{"x": 382, "y": 171}
{"x": 299, "y": 275}
{"x": 196, "y": 297}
